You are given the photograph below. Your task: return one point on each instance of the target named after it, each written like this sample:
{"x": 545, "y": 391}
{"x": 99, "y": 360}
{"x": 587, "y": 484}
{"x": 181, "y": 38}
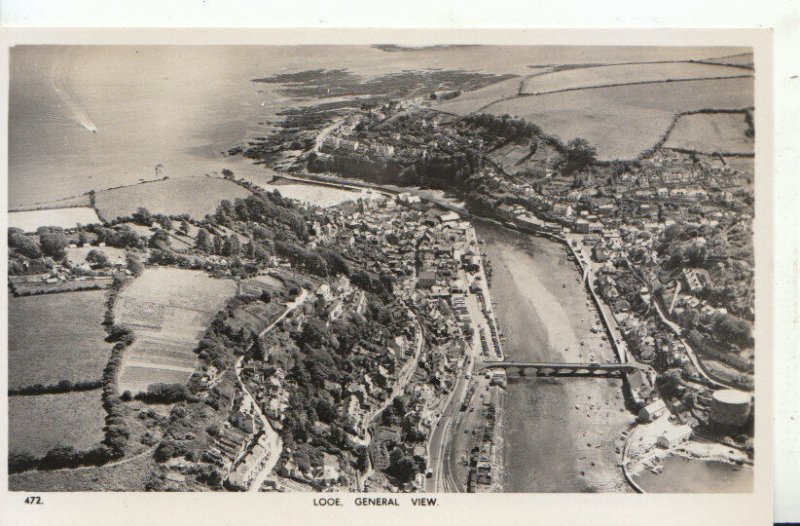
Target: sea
{"x": 95, "y": 117}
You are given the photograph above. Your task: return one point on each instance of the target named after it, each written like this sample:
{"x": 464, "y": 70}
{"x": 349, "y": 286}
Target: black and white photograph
{"x": 381, "y": 269}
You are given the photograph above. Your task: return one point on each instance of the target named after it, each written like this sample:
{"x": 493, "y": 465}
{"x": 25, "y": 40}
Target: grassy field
{"x": 56, "y": 337}
{"x": 310, "y": 194}
{"x": 42, "y": 422}
{"x": 196, "y": 196}
{"x": 77, "y": 255}
{"x": 87, "y": 283}
{"x": 742, "y": 59}
{"x": 623, "y": 121}
{"x": 719, "y": 132}
{"x": 125, "y": 476}
{"x": 472, "y": 101}
{"x": 30, "y": 220}
{"x": 168, "y": 310}
{"x": 624, "y": 74}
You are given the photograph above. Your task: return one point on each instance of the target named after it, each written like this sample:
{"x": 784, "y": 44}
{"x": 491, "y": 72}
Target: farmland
{"x": 128, "y": 475}
{"x": 619, "y": 74}
{"x": 77, "y": 255}
{"x": 33, "y": 285}
{"x": 168, "y": 310}
{"x": 30, "y": 220}
{"x": 473, "y": 101}
{"x": 196, "y": 196}
{"x": 707, "y": 133}
{"x": 56, "y": 337}
{"x": 623, "y": 121}
{"x": 42, "y": 422}
{"x": 322, "y": 196}
{"x": 741, "y": 59}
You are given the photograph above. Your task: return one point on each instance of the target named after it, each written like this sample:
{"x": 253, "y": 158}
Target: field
{"x": 77, "y": 255}
{"x": 310, "y": 194}
{"x": 30, "y": 220}
{"x": 168, "y": 309}
{"x": 623, "y": 121}
{"x": 589, "y": 77}
{"x": 38, "y": 287}
{"x": 42, "y": 422}
{"x": 742, "y": 59}
{"x": 255, "y": 316}
{"x": 196, "y": 196}
{"x": 472, "y": 101}
{"x": 707, "y": 133}
{"x": 128, "y": 475}
{"x": 56, "y": 337}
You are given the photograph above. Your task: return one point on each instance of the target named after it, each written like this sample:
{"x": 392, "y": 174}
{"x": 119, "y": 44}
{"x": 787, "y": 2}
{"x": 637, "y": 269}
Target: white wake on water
{"x": 79, "y": 113}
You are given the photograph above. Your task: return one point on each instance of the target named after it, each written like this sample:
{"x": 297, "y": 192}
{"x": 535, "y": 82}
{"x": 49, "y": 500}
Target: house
{"x": 426, "y": 279}
{"x": 563, "y": 209}
{"x": 674, "y": 436}
{"x": 652, "y": 411}
{"x": 692, "y": 280}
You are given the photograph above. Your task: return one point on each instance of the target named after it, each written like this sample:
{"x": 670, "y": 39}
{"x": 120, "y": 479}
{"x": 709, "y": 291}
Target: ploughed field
{"x": 41, "y": 422}
{"x": 196, "y": 196}
{"x": 168, "y": 310}
{"x": 622, "y": 109}
{"x": 56, "y": 337}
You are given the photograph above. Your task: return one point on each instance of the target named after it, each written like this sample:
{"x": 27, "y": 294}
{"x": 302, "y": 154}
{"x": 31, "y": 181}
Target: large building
{"x": 730, "y": 407}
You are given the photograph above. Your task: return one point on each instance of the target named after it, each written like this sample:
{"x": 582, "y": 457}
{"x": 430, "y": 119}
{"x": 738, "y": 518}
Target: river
{"x": 560, "y": 435}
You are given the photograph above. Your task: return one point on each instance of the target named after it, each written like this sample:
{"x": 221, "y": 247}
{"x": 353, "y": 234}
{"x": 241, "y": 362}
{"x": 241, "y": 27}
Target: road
{"x": 323, "y": 134}
{"x": 402, "y": 380}
{"x": 689, "y": 351}
{"x": 274, "y": 443}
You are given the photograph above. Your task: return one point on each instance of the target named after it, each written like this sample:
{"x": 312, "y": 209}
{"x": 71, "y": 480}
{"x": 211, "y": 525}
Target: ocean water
{"x": 94, "y": 117}
{"x": 682, "y": 475}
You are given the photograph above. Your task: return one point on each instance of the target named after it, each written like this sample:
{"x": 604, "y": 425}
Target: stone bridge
{"x": 554, "y": 370}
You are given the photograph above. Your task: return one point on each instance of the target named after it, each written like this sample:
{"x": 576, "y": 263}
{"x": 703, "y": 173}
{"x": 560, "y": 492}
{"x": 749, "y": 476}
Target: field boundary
{"x": 61, "y": 387}
{"x": 645, "y": 154}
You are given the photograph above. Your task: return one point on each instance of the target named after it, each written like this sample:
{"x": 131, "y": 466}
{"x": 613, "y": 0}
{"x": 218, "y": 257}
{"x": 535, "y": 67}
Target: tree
{"x": 326, "y": 411}
{"x": 232, "y": 246}
{"x": 97, "y": 257}
{"x": 143, "y": 217}
{"x": 402, "y": 465}
{"x": 258, "y": 347}
{"x": 362, "y": 458}
{"x": 134, "y": 264}
{"x": 227, "y": 174}
{"x": 184, "y": 227}
{"x": 249, "y": 249}
{"x": 732, "y": 329}
{"x": 53, "y": 244}
{"x": 204, "y": 241}
{"x": 578, "y": 156}
{"x": 25, "y": 245}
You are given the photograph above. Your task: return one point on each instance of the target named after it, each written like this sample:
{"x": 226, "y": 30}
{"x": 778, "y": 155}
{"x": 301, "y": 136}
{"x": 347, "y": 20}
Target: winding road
{"x": 274, "y": 443}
